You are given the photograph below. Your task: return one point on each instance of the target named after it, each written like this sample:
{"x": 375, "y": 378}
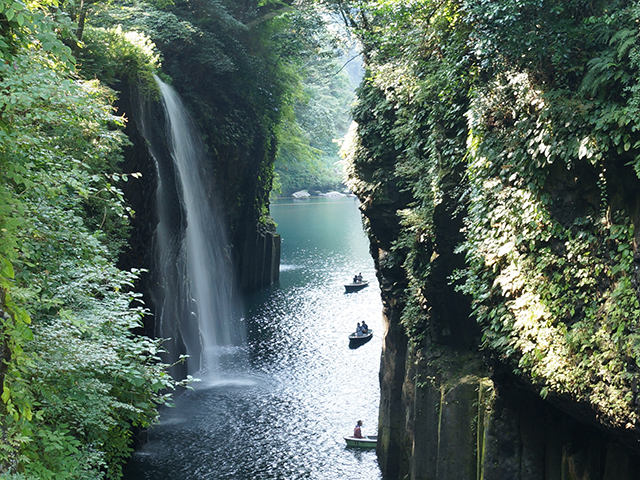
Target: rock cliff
{"x": 449, "y": 408}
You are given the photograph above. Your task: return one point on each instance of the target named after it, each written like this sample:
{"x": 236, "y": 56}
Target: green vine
{"x": 522, "y": 117}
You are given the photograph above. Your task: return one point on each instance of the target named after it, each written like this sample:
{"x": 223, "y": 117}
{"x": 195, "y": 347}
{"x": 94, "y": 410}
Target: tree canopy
{"x": 311, "y": 134}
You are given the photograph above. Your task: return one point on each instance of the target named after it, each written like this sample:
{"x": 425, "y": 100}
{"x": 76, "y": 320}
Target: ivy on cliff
{"x": 551, "y": 269}
{"x": 411, "y": 116}
{"x": 522, "y": 116}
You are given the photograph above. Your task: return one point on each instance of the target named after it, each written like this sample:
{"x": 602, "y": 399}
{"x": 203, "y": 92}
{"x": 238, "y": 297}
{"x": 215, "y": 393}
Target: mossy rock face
{"x": 527, "y": 439}
{"x": 460, "y": 424}
{"x": 452, "y": 397}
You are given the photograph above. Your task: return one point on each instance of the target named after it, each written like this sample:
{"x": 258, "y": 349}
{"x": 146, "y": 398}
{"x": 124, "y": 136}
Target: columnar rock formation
{"x": 444, "y": 413}
{"x": 450, "y": 409}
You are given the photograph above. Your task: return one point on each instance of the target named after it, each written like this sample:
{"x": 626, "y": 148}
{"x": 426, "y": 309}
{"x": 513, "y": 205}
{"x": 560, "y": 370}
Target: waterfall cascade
{"x": 195, "y": 304}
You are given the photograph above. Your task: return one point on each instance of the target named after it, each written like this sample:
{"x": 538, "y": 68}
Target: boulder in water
{"x": 301, "y": 194}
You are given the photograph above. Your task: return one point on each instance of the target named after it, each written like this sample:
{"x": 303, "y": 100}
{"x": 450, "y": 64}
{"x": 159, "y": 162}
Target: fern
{"x": 599, "y": 73}
{"x": 625, "y": 39}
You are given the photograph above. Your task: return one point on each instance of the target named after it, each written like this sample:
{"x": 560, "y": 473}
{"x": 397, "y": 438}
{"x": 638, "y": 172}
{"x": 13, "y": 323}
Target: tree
{"x": 308, "y": 156}
{"x": 76, "y": 380}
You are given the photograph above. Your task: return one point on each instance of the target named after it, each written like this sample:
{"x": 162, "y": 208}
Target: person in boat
{"x": 357, "y": 432}
{"x": 365, "y": 328}
{"x": 359, "y": 331}
{"x": 359, "y": 278}
{"x": 355, "y": 279}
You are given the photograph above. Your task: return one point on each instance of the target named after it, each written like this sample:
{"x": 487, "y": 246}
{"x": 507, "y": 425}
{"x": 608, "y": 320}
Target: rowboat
{"x": 354, "y": 287}
{"x": 356, "y": 340}
{"x": 368, "y": 441}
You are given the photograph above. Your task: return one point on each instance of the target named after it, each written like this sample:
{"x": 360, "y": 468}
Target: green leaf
{"x": 26, "y": 333}
{"x": 6, "y": 268}
{"x": 6, "y": 393}
{"x": 137, "y": 381}
{"x": 22, "y": 316}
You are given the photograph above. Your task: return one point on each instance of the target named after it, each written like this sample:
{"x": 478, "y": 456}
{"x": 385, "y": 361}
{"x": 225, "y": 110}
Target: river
{"x": 279, "y": 405}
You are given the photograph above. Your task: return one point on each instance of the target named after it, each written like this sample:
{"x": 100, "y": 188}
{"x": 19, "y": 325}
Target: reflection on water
{"x": 283, "y": 402}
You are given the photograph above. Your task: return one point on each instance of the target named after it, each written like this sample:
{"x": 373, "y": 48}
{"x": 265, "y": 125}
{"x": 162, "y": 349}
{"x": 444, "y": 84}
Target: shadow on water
{"x": 353, "y": 344}
{"x": 280, "y": 405}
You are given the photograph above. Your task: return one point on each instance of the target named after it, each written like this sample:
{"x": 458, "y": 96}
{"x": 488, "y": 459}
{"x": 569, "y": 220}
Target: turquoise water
{"x": 281, "y": 404}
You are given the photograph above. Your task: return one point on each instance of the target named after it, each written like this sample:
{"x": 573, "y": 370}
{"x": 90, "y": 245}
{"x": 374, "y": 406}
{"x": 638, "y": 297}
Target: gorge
{"x": 496, "y": 159}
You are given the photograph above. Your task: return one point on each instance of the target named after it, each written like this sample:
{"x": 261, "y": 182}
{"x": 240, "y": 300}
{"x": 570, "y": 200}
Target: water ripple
{"x": 280, "y": 406}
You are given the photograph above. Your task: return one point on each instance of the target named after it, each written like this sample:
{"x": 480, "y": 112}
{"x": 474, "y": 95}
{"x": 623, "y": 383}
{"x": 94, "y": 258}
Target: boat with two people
{"x": 361, "y": 336}
{"x": 357, "y": 284}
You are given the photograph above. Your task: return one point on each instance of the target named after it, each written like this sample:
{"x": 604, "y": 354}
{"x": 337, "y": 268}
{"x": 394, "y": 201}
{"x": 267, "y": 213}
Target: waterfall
{"x": 195, "y": 306}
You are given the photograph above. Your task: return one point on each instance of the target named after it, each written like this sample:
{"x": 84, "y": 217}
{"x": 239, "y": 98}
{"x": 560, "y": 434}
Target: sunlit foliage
{"x": 36, "y": 25}
{"x": 75, "y": 380}
{"x": 522, "y": 117}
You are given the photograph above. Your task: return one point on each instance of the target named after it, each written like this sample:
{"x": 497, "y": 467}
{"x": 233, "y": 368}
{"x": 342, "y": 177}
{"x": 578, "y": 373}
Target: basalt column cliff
{"x": 496, "y": 163}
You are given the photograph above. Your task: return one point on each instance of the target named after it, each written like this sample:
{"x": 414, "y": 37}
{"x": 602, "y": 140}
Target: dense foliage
{"x": 522, "y": 116}
{"x": 75, "y": 379}
{"x": 311, "y": 133}
{"x": 240, "y": 69}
